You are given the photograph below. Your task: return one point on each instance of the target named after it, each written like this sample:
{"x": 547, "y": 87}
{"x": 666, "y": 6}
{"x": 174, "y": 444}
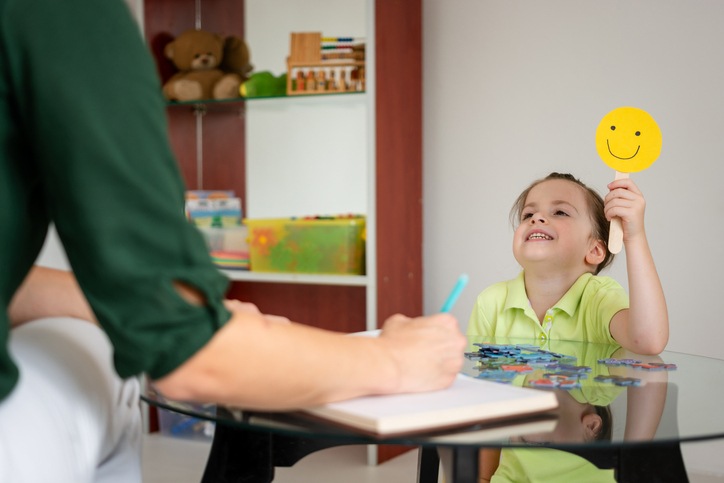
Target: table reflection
{"x": 600, "y": 429}
{"x": 599, "y": 387}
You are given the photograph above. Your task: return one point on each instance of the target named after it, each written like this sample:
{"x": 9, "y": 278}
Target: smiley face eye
{"x": 638, "y": 133}
{"x": 613, "y": 128}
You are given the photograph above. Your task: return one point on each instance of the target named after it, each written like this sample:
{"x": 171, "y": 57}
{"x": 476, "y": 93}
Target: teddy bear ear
{"x": 168, "y": 50}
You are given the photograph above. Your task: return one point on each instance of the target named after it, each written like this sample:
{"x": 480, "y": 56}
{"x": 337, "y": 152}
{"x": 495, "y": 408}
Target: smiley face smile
{"x": 608, "y": 145}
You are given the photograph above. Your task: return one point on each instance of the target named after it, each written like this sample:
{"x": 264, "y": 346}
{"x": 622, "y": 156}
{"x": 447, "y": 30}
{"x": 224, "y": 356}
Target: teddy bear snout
{"x": 204, "y": 61}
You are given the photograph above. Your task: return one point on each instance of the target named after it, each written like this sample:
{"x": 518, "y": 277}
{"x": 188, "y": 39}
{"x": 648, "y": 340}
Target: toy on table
{"x": 502, "y": 363}
{"x": 209, "y": 66}
{"x": 628, "y": 140}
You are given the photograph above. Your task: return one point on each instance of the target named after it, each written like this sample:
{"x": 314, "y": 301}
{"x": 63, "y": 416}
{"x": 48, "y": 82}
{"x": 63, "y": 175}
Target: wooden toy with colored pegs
{"x": 627, "y": 140}
{"x": 328, "y": 61}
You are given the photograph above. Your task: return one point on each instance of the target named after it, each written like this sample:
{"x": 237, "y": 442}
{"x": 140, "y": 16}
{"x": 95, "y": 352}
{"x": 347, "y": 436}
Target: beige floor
{"x": 173, "y": 460}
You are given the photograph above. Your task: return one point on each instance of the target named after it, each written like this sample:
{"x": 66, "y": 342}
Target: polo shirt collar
{"x": 518, "y": 298}
{"x": 572, "y": 299}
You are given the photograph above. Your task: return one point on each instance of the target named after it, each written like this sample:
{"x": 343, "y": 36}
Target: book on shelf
{"x": 468, "y": 401}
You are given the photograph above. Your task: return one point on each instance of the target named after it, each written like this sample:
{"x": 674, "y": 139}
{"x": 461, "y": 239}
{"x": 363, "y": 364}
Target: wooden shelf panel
{"x": 331, "y": 307}
{"x": 297, "y": 278}
{"x": 326, "y": 63}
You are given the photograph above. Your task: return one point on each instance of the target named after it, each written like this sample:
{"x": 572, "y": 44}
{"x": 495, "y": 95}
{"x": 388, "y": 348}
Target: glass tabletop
{"x": 608, "y": 397}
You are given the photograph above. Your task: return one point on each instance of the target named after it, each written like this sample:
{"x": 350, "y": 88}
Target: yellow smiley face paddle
{"x": 628, "y": 140}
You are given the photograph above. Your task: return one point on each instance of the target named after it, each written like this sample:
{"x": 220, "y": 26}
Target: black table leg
{"x": 459, "y": 465}
{"x": 239, "y": 456}
{"x": 465, "y": 464}
{"x": 243, "y": 456}
{"x": 659, "y": 463}
{"x": 428, "y": 465}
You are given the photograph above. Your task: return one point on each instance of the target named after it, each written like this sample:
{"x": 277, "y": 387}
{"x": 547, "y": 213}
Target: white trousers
{"x": 70, "y": 419}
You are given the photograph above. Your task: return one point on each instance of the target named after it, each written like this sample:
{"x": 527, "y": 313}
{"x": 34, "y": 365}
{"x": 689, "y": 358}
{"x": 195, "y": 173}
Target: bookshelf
{"x": 211, "y": 146}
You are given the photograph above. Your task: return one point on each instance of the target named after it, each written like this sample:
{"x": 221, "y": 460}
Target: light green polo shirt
{"x": 583, "y": 313}
{"x": 547, "y": 465}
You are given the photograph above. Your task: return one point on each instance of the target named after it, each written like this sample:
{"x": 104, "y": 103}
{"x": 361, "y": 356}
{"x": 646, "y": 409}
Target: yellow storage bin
{"x": 322, "y": 245}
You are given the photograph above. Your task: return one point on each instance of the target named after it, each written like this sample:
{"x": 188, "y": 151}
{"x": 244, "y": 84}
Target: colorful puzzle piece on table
{"x": 543, "y": 383}
{"x": 569, "y": 384}
{"x": 552, "y": 381}
{"x": 618, "y": 362}
{"x": 498, "y": 376}
{"x": 522, "y": 353}
{"x": 502, "y": 363}
{"x": 572, "y": 368}
{"x": 654, "y": 366}
{"x": 572, "y": 375}
{"x": 516, "y": 367}
{"x": 636, "y": 364}
{"x": 619, "y": 380}
{"x": 555, "y": 377}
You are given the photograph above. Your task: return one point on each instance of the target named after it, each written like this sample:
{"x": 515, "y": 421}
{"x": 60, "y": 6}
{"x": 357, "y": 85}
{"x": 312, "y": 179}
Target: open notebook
{"x": 466, "y": 402}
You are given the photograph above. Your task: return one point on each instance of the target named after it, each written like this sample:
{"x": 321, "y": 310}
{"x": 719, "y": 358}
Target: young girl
{"x": 560, "y": 242}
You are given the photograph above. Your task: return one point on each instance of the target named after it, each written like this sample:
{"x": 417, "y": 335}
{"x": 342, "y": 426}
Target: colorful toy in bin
{"x": 230, "y": 259}
{"x": 316, "y": 244}
{"x": 213, "y": 208}
{"x": 228, "y": 246}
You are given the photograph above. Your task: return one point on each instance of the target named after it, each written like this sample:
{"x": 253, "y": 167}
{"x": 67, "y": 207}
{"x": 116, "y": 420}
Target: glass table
{"x": 621, "y": 413}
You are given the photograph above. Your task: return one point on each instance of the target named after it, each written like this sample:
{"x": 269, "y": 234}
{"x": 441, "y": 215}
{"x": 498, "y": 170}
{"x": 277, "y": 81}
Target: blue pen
{"x": 453, "y": 297}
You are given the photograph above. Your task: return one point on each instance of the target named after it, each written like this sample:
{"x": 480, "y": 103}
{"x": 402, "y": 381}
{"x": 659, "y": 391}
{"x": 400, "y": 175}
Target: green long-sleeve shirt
{"x": 83, "y": 144}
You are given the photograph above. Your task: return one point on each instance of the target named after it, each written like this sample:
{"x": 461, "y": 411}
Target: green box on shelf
{"x": 320, "y": 245}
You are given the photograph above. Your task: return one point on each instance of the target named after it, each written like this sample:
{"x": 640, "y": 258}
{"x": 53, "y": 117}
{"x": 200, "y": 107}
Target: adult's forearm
{"x": 258, "y": 364}
{"x": 255, "y": 363}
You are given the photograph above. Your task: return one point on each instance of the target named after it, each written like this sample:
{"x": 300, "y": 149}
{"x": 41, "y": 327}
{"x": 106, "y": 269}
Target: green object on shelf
{"x": 264, "y": 84}
{"x": 317, "y": 245}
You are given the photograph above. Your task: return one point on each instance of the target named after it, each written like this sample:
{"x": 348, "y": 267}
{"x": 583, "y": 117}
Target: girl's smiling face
{"x": 555, "y": 228}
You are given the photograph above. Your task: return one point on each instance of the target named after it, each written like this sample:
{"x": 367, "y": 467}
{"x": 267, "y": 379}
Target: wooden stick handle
{"x": 615, "y": 233}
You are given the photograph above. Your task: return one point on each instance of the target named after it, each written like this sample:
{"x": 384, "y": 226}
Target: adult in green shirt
{"x": 83, "y": 145}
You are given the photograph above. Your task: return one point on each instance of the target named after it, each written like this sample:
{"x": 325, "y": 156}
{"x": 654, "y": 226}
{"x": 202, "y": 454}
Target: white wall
{"x": 285, "y": 177}
{"x": 515, "y": 90}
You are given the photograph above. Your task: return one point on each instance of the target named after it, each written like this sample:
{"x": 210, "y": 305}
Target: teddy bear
{"x": 209, "y": 66}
